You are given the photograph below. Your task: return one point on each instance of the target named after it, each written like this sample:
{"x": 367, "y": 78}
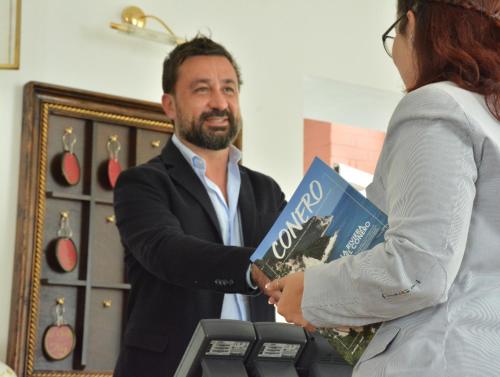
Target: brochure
{"x": 325, "y": 219}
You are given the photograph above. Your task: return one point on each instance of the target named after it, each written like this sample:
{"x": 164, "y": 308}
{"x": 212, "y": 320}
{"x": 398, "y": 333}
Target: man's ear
{"x": 168, "y": 104}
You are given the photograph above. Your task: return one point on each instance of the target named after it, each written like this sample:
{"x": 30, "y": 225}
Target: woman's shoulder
{"x": 438, "y": 94}
{"x": 444, "y": 109}
{"x": 433, "y": 101}
{"x": 445, "y": 98}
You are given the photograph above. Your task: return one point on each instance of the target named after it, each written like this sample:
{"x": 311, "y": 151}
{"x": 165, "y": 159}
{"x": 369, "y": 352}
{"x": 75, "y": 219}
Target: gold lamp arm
{"x": 162, "y": 24}
{"x": 134, "y": 22}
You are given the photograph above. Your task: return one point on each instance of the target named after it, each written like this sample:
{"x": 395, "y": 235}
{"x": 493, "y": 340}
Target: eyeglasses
{"x": 388, "y": 40}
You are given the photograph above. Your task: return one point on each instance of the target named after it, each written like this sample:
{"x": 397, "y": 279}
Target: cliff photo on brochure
{"x": 325, "y": 219}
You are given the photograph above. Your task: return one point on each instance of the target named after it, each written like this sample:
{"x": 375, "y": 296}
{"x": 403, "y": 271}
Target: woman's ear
{"x": 410, "y": 26}
{"x": 168, "y": 104}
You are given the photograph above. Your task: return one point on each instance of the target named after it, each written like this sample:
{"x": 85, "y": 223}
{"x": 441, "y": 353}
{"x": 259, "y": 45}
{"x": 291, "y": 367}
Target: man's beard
{"x": 209, "y": 137}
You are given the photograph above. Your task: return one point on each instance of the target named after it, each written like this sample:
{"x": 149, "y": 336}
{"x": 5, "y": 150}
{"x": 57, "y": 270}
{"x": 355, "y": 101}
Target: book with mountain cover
{"x": 325, "y": 219}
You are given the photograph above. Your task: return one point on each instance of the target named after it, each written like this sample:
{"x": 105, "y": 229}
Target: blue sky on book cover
{"x": 325, "y": 219}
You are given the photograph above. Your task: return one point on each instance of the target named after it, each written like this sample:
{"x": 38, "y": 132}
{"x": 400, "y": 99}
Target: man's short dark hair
{"x": 198, "y": 46}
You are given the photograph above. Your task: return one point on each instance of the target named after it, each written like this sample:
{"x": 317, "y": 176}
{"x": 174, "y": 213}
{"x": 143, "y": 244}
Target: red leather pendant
{"x": 114, "y": 168}
{"x": 70, "y": 168}
{"x": 66, "y": 254}
{"x": 70, "y": 165}
{"x": 58, "y": 341}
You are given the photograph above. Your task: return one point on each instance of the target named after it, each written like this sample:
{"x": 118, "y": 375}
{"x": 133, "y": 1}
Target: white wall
{"x": 277, "y": 43}
{"x": 350, "y": 104}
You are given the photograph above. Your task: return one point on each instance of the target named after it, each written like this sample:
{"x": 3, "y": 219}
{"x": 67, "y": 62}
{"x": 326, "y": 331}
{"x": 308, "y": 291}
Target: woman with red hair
{"x": 435, "y": 281}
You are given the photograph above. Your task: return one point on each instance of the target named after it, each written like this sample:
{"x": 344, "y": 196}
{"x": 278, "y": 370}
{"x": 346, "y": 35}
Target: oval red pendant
{"x": 114, "y": 170}
{"x": 58, "y": 342}
{"x": 66, "y": 254}
{"x": 70, "y": 168}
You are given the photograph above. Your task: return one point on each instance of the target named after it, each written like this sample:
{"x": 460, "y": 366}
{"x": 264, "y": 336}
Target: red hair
{"x": 457, "y": 44}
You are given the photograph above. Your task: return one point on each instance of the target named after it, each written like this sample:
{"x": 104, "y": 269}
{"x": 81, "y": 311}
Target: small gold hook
{"x": 60, "y": 301}
{"x": 156, "y": 143}
{"x": 111, "y": 219}
{"x": 106, "y": 303}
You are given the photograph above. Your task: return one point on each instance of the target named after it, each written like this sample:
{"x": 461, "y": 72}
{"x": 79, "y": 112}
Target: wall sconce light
{"x": 134, "y": 23}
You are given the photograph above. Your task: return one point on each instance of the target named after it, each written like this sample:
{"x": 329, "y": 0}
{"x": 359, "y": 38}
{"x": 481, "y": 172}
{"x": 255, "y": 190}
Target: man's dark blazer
{"x": 176, "y": 263}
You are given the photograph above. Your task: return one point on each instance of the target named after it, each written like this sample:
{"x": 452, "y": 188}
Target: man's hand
{"x": 261, "y": 280}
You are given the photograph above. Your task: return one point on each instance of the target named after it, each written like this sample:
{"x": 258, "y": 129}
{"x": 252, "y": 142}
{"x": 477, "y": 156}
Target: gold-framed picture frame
{"x": 10, "y": 33}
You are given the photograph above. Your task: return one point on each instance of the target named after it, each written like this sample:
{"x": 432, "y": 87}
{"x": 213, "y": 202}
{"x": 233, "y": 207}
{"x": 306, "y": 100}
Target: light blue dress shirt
{"x": 235, "y": 306}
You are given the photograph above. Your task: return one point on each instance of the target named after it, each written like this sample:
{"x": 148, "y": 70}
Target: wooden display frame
{"x": 92, "y": 288}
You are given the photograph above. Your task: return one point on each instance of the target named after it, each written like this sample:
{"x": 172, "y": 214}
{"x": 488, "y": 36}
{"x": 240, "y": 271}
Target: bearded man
{"x": 190, "y": 218}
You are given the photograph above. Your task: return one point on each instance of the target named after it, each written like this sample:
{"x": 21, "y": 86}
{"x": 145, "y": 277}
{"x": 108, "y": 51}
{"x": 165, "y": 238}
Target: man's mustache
{"x": 216, "y": 113}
